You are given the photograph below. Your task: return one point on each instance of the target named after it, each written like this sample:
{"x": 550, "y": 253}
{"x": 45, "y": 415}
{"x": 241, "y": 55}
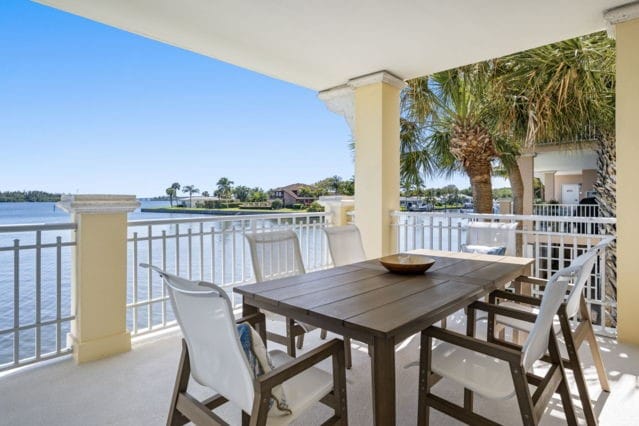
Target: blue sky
{"x": 88, "y": 108}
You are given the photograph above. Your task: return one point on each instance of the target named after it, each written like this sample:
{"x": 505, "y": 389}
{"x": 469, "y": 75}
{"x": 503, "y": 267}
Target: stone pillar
{"x": 626, "y": 27}
{"x": 527, "y": 167}
{"x": 337, "y": 208}
{"x": 549, "y": 186}
{"x": 370, "y": 105}
{"x": 99, "y": 278}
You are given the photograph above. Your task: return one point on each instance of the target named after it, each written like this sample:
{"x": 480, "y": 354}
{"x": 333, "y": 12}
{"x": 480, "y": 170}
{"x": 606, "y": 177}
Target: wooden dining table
{"x": 369, "y": 304}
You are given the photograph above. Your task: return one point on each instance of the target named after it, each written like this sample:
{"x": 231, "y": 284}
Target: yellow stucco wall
{"x": 376, "y": 165}
{"x": 627, "y": 178}
{"x": 99, "y": 298}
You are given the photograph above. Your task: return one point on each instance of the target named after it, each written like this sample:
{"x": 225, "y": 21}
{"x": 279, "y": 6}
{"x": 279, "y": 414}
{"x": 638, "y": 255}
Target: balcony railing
{"x": 35, "y": 292}
{"x": 212, "y": 249}
{"x": 581, "y": 210}
{"x": 552, "y": 241}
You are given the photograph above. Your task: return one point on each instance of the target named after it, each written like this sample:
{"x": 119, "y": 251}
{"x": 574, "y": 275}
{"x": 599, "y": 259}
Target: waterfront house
{"x": 290, "y": 195}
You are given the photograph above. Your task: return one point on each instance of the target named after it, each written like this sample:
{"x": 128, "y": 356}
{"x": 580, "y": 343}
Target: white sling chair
{"x": 575, "y": 309}
{"x": 491, "y": 238}
{"x": 276, "y": 254}
{"x": 494, "y": 371}
{"x": 213, "y": 355}
{"x": 345, "y": 246}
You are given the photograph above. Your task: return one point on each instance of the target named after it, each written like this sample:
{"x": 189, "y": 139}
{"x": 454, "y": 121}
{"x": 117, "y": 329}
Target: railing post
{"x": 99, "y": 277}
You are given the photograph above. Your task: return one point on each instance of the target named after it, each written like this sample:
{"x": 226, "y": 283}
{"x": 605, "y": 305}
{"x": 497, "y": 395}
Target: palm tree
{"x": 450, "y": 111}
{"x": 171, "y": 193}
{"x": 205, "y": 193}
{"x": 224, "y": 188}
{"x": 241, "y": 192}
{"x": 191, "y": 189}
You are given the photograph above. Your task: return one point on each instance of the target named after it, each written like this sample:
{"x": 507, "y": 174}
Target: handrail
{"x": 225, "y": 218}
{"x": 511, "y": 217}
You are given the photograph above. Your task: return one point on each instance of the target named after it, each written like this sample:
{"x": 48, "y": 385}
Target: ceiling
{"x": 320, "y": 44}
{"x": 565, "y": 162}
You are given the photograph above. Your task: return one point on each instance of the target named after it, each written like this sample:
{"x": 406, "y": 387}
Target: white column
{"x": 99, "y": 281}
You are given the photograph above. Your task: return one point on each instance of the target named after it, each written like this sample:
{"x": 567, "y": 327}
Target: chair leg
{"x": 595, "y": 350}
{"x": 347, "y": 352}
{"x": 575, "y": 363}
{"x": 443, "y": 322}
{"x": 300, "y": 341}
{"x": 290, "y": 337}
{"x": 323, "y": 334}
{"x": 564, "y": 390}
{"x": 423, "y": 409}
{"x": 176, "y": 418}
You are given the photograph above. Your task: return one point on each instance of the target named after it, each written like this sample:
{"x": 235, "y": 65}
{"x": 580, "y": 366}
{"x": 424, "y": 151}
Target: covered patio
{"x": 357, "y": 56}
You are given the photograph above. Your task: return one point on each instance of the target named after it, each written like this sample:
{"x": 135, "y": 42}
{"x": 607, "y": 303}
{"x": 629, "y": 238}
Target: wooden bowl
{"x": 409, "y": 264}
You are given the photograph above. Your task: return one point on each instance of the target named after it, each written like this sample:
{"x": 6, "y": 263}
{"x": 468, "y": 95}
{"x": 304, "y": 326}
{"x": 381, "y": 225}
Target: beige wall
{"x": 549, "y": 186}
{"x": 588, "y": 181}
{"x": 627, "y": 177}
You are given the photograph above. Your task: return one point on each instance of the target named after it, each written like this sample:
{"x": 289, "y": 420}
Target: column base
{"x": 93, "y": 350}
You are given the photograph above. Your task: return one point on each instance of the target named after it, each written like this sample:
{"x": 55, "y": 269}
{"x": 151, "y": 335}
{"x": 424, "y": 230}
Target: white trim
{"x": 377, "y": 77}
{"x": 98, "y": 204}
{"x": 340, "y": 100}
{"x": 618, "y": 15}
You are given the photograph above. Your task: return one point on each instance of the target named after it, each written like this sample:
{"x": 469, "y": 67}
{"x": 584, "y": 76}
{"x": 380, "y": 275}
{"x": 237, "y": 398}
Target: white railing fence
{"x": 35, "y": 292}
{"x": 210, "y": 249}
{"x": 579, "y": 210}
{"x": 552, "y": 241}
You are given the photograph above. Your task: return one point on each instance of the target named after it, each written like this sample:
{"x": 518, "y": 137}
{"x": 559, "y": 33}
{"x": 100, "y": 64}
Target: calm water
{"x": 23, "y": 213}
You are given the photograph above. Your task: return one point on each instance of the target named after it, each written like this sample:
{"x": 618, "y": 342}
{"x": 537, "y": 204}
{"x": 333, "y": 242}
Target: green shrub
{"x": 297, "y": 206}
{"x": 277, "y": 204}
{"x": 315, "y": 207}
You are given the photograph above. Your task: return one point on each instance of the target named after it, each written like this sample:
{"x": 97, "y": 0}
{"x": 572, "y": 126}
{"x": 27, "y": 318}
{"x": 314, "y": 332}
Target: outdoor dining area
{"x": 381, "y": 303}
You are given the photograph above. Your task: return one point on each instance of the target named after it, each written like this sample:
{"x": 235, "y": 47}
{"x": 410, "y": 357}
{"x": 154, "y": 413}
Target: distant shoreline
{"x": 212, "y": 212}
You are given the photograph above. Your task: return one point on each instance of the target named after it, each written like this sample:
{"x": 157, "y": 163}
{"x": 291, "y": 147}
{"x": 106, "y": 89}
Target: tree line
{"x": 27, "y": 196}
{"x": 225, "y": 189}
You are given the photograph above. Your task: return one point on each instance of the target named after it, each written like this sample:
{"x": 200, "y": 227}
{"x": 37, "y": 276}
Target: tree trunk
{"x": 481, "y": 185}
{"x": 606, "y": 194}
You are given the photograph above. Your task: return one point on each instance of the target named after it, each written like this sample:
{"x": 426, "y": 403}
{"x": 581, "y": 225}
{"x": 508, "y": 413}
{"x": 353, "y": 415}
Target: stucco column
{"x": 376, "y": 159}
{"x": 549, "y": 186}
{"x": 99, "y": 278}
{"x": 370, "y": 105}
{"x": 527, "y": 168}
{"x": 627, "y": 134}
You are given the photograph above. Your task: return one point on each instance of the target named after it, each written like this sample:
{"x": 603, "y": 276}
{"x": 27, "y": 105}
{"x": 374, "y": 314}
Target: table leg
{"x": 259, "y": 327}
{"x": 383, "y": 372}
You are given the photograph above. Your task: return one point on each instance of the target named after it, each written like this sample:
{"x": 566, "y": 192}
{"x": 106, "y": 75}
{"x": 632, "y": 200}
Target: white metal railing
{"x": 205, "y": 248}
{"x": 581, "y": 210}
{"x": 35, "y": 292}
{"x": 552, "y": 241}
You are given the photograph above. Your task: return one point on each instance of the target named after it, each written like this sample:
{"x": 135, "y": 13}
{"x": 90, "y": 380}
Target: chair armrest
{"x": 281, "y": 374}
{"x": 252, "y": 319}
{"x": 474, "y": 344}
{"x": 528, "y": 300}
{"x": 531, "y": 280}
{"x": 504, "y": 311}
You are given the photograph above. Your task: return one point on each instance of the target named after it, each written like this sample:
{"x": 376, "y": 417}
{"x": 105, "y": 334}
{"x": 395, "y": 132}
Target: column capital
{"x": 620, "y": 14}
{"x": 98, "y": 203}
{"x": 377, "y": 77}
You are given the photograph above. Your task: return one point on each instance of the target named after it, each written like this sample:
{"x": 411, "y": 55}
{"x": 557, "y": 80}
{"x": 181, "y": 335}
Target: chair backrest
{"x": 345, "y": 244}
{"x": 493, "y": 234}
{"x": 203, "y": 311}
{"x": 275, "y": 254}
{"x": 537, "y": 342}
{"x": 585, "y": 262}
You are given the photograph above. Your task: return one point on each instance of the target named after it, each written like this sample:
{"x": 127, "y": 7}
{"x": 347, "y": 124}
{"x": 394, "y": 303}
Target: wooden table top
{"x": 364, "y": 300}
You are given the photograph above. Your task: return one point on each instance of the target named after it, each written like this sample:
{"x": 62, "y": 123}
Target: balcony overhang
{"x": 324, "y": 44}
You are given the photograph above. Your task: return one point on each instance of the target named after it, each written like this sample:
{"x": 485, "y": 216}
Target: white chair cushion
{"x": 520, "y": 324}
{"x": 495, "y": 250}
{"x": 488, "y": 376}
{"x": 302, "y": 391}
